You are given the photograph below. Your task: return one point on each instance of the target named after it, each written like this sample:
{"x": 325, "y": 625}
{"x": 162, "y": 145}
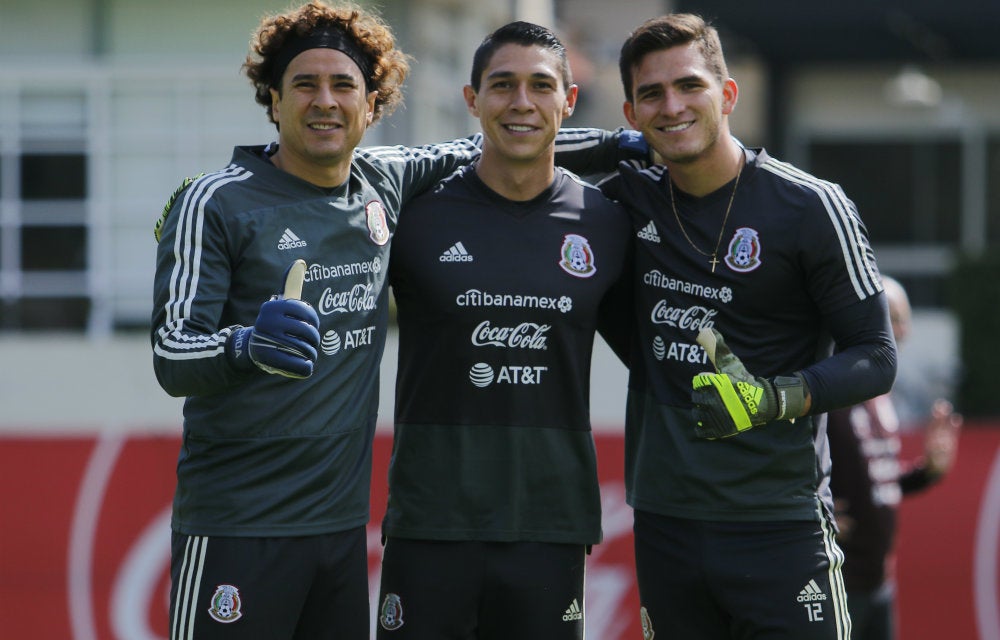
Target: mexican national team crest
{"x": 577, "y": 256}
{"x": 744, "y": 250}
{"x": 226, "y": 604}
{"x": 391, "y": 614}
{"x": 378, "y": 228}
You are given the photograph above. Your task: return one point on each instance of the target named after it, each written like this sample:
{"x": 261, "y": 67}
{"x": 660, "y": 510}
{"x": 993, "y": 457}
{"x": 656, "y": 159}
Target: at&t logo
{"x": 483, "y": 375}
{"x": 353, "y": 338}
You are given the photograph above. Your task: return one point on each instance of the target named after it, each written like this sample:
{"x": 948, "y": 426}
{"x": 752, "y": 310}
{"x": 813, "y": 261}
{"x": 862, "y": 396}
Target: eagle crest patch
{"x": 391, "y": 614}
{"x": 226, "y": 604}
{"x": 744, "y": 250}
{"x": 378, "y": 228}
{"x": 577, "y": 258}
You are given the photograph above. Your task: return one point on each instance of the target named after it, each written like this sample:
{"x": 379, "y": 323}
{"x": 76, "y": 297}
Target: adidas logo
{"x": 649, "y": 233}
{"x": 751, "y": 395}
{"x": 573, "y": 613}
{"x": 290, "y": 241}
{"x": 456, "y": 253}
{"x": 811, "y": 593}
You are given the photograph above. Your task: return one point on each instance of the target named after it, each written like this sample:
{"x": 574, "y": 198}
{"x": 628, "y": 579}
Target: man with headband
{"x": 273, "y": 476}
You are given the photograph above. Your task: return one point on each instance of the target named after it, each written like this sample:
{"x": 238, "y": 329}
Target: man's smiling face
{"x": 678, "y": 103}
{"x": 322, "y": 111}
{"x": 521, "y": 102}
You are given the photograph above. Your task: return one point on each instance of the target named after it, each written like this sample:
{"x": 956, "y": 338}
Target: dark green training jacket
{"x": 265, "y": 455}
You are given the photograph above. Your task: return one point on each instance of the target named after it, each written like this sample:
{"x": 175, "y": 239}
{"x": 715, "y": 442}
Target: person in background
{"x": 727, "y": 470}
{"x": 868, "y": 481}
{"x": 501, "y": 274}
{"x": 281, "y": 390}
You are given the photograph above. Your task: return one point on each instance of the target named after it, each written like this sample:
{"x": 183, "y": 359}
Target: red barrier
{"x": 84, "y": 541}
{"x": 948, "y": 546}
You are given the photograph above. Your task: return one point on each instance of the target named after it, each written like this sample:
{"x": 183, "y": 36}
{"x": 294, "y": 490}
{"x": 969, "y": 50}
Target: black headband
{"x": 324, "y": 38}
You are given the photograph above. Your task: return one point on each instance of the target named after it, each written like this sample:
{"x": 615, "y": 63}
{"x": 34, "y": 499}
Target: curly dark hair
{"x": 374, "y": 38}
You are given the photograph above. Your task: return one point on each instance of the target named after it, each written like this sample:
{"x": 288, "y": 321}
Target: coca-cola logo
{"x": 527, "y": 335}
{"x": 360, "y": 297}
{"x": 694, "y": 318}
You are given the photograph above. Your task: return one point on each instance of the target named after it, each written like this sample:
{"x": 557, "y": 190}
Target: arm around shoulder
{"x": 598, "y": 151}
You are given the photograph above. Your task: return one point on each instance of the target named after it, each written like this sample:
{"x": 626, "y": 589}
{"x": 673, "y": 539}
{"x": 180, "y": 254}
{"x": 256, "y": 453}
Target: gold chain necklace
{"x": 714, "y": 259}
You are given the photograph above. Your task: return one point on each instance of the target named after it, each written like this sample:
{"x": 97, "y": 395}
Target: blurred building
{"x": 106, "y": 105}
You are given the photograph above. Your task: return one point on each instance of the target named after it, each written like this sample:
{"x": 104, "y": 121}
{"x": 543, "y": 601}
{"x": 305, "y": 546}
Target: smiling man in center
{"x": 502, "y": 274}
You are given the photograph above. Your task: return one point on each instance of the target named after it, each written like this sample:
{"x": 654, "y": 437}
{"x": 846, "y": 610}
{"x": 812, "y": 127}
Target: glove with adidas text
{"x": 285, "y": 338}
{"x": 732, "y": 400}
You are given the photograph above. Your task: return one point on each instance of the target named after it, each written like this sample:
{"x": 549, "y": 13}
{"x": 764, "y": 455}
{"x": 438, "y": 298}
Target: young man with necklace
{"x": 726, "y": 451}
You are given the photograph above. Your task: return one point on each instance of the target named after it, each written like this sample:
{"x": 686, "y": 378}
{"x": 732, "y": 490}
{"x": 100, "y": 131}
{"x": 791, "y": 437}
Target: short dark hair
{"x": 522, "y": 33}
{"x": 666, "y": 32}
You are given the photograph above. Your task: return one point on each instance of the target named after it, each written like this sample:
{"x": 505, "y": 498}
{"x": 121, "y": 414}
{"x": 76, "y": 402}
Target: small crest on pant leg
{"x": 226, "y": 604}
{"x": 391, "y": 614}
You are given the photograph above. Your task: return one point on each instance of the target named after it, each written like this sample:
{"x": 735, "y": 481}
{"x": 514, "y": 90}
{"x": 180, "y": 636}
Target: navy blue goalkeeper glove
{"x": 285, "y": 338}
{"x": 732, "y": 400}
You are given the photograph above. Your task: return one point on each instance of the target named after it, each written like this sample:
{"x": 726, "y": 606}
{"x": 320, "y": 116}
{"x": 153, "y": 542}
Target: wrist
{"x": 238, "y": 348}
{"x": 791, "y": 394}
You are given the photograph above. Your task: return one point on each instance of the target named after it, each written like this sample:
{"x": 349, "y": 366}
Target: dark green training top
{"x": 796, "y": 275}
{"x": 498, "y": 304}
{"x": 265, "y": 455}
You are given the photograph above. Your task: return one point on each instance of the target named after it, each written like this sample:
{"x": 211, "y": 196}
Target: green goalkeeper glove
{"x": 732, "y": 400}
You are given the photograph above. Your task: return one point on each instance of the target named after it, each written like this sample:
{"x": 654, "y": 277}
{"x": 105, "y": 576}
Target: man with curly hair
{"x": 281, "y": 390}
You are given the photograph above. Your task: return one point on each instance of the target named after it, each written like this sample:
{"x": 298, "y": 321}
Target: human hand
{"x": 941, "y": 438}
{"x": 733, "y": 400}
{"x": 285, "y": 338}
